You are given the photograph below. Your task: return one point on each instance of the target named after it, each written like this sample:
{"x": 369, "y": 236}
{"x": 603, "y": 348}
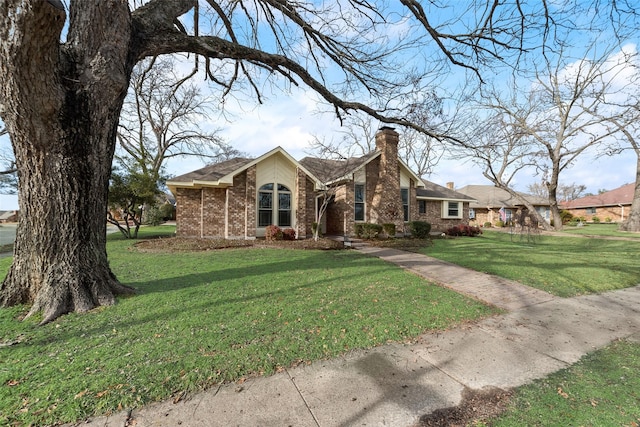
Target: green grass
{"x": 602, "y": 229}
{"x": 564, "y": 266}
{"x": 206, "y": 318}
{"x": 602, "y": 389}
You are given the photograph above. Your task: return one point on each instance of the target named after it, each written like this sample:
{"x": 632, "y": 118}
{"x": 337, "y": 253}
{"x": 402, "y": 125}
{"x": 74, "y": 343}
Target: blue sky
{"x": 291, "y": 120}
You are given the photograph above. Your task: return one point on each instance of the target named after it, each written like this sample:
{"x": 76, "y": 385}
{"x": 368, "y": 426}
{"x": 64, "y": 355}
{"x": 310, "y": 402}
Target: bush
{"x": 499, "y": 223}
{"x": 487, "y": 224}
{"x": 595, "y": 219}
{"x": 420, "y": 229}
{"x": 365, "y": 230}
{"x": 464, "y": 230}
{"x": 273, "y": 232}
{"x": 608, "y": 219}
{"x": 567, "y": 217}
{"x": 389, "y": 229}
{"x": 153, "y": 216}
{"x": 289, "y": 234}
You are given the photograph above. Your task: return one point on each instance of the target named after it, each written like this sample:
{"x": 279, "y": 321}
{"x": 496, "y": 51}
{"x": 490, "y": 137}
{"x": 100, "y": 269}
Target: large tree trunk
{"x": 61, "y": 108}
{"x": 632, "y": 223}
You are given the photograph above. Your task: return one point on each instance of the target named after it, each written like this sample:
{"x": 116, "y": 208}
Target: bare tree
{"x": 8, "y": 171}
{"x": 61, "y": 99}
{"x": 555, "y": 119}
{"x": 629, "y": 127}
{"x": 161, "y": 119}
{"x": 503, "y": 151}
{"x": 357, "y": 138}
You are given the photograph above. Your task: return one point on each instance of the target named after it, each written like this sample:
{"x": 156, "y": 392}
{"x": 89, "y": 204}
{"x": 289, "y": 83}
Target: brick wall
{"x": 434, "y": 216}
{"x": 213, "y": 207}
{"x": 188, "y": 212}
{"x": 386, "y": 203}
{"x": 236, "y": 208}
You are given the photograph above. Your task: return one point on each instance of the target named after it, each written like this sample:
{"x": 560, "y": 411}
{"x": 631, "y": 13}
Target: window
{"x": 422, "y": 206}
{"x": 266, "y": 206}
{"x": 284, "y": 206}
{"x": 451, "y": 209}
{"x": 472, "y": 213}
{"x": 359, "y": 202}
{"x": 591, "y": 211}
{"x": 404, "y": 193}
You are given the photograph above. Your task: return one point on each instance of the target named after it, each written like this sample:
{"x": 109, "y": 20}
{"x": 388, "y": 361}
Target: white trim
{"x": 445, "y": 210}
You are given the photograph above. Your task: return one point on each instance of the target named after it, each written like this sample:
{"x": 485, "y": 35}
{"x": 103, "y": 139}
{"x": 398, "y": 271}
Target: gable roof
{"x": 622, "y": 195}
{"x": 222, "y": 174}
{"x": 333, "y": 171}
{"x": 490, "y": 196}
{"x": 433, "y": 191}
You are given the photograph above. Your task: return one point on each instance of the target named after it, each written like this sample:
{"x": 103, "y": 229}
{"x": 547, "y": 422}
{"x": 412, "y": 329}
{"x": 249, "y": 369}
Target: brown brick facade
{"x": 386, "y": 202}
{"x": 433, "y": 216}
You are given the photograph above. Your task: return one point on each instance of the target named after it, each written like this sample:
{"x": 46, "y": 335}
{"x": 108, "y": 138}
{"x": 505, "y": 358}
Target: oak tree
{"x": 65, "y": 73}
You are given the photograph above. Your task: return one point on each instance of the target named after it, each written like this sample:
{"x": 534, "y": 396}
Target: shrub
{"x": 389, "y": 229}
{"x": 464, "y": 230}
{"x": 595, "y": 219}
{"x": 365, "y": 230}
{"x": 153, "y": 216}
{"x": 487, "y": 224}
{"x": 273, "y": 232}
{"x": 608, "y": 219}
{"x": 289, "y": 234}
{"x": 420, "y": 229}
{"x": 567, "y": 216}
{"x": 499, "y": 223}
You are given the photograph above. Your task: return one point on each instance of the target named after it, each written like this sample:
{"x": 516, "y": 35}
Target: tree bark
{"x": 65, "y": 101}
{"x": 632, "y": 223}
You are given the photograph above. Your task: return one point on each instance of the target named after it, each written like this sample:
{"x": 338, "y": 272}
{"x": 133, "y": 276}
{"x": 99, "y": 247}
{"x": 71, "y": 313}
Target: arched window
{"x": 268, "y": 211}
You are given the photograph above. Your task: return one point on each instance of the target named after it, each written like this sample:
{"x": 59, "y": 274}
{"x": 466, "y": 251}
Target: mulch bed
{"x": 182, "y": 244}
{"x": 476, "y": 406}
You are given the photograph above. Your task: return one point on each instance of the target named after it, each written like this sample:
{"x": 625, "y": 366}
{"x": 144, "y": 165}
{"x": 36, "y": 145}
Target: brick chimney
{"x": 386, "y": 204}
{"x": 450, "y": 185}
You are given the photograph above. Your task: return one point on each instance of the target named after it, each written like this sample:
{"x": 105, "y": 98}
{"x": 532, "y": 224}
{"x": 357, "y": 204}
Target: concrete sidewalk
{"x": 394, "y": 385}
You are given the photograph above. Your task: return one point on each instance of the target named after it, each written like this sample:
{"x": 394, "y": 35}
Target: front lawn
{"x": 563, "y": 266}
{"x": 602, "y": 229}
{"x": 602, "y": 389}
{"x": 203, "y": 318}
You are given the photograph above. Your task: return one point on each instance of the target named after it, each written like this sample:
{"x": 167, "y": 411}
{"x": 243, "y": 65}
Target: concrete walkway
{"x": 394, "y": 385}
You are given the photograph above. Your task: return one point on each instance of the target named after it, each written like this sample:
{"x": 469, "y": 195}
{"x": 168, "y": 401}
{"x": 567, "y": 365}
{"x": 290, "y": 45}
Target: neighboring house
{"x": 493, "y": 204}
{"x": 8, "y": 216}
{"x": 239, "y": 198}
{"x": 610, "y": 206}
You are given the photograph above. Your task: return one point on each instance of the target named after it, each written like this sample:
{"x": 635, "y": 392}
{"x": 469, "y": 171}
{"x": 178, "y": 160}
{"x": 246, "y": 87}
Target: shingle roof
{"x": 434, "y": 191}
{"x": 622, "y": 195}
{"x": 489, "y": 196}
{"x": 330, "y": 170}
{"x": 212, "y": 173}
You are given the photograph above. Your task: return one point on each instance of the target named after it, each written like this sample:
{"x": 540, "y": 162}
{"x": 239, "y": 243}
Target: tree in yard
{"x": 8, "y": 177}
{"x": 554, "y": 119}
{"x": 503, "y": 151}
{"x": 130, "y": 191}
{"x": 629, "y": 127}
{"x": 419, "y": 151}
{"x": 161, "y": 119}
{"x": 62, "y": 94}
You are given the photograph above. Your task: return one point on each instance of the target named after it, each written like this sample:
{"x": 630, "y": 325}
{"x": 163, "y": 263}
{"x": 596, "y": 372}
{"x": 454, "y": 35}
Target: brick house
{"x": 610, "y": 206}
{"x": 489, "y": 200}
{"x": 239, "y": 198}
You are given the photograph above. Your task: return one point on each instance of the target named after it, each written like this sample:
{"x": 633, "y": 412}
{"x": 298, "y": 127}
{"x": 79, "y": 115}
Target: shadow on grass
{"x": 204, "y": 292}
